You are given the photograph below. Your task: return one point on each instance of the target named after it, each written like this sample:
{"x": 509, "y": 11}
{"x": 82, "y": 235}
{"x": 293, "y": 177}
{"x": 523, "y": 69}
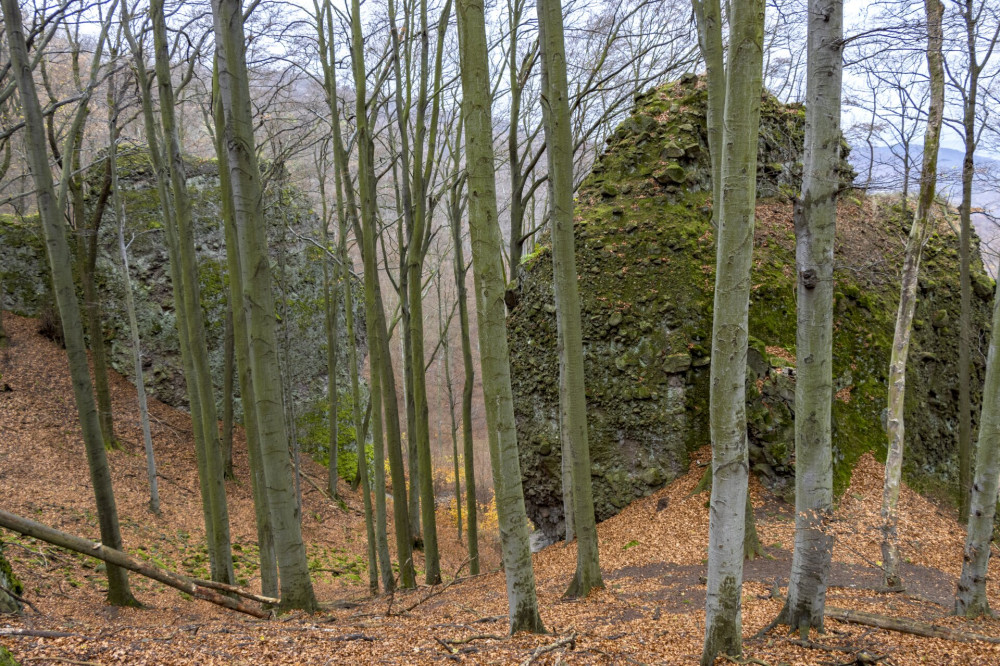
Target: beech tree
{"x": 967, "y": 72}
{"x": 488, "y": 273}
{"x": 919, "y": 230}
{"x": 815, "y": 230}
{"x": 296, "y": 586}
{"x": 572, "y": 396}
{"x": 57, "y": 249}
{"x": 727, "y": 402}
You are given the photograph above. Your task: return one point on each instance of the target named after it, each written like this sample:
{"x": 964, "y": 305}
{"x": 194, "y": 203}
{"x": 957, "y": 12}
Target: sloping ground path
{"x": 652, "y": 555}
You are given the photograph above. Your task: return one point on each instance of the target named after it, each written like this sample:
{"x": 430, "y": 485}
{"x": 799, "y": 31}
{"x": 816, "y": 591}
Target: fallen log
{"x": 906, "y": 625}
{"x": 125, "y": 561}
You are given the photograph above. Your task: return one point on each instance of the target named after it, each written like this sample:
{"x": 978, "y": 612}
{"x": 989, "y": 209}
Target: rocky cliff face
{"x": 646, "y": 258}
{"x": 297, "y": 271}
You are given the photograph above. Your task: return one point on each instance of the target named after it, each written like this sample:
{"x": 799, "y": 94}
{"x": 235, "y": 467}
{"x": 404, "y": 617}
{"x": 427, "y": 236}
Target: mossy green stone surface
{"x": 646, "y": 259}
{"x": 9, "y": 581}
{"x": 295, "y": 260}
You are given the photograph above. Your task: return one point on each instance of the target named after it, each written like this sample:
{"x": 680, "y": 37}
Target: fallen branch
{"x": 565, "y": 641}
{"x": 123, "y": 560}
{"x": 62, "y": 660}
{"x": 353, "y": 637}
{"x": 312, "y": 483}
{"x": 39, "y": 633}
{"x": 813, "y": 645}
{"x": 905, "y": 625}
{"x": 477, "y": 637}
{"x": 236, "y": 590}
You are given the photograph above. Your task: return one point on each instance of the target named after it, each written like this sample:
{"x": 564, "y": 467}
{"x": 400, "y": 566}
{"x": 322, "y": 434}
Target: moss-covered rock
{"x": 6, "y": 658}
{"x": 8, "y": 581}
{"x": 649, "y": 261}
{"x": 297, "y": 272}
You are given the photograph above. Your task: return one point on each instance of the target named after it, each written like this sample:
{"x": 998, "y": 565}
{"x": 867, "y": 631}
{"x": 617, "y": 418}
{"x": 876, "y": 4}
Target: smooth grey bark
{"x": 971, "y": 599}
{"x": 58, "y": 252}
{"x": 345, "y": 210}
{"x": 488, "y": 273}
{"x": 572, "y": 394}
{"x": 331, "y": 298}
{"x": 815, "y": 229}
{"x": 241, "y": 347}
{"x": 708, "y": 17}
{"x": 727, "y": 403}
{"x": 293, "y": 569}
{"x": 118, "y": 203}
{"x": 460, "y": 268}
{"x": 228, "y": 394}
{"x": 377, "y": 330}
{"x": 160, "y": 167}
{"x": 919, "y": 230}
{"x": 184, "y": 265}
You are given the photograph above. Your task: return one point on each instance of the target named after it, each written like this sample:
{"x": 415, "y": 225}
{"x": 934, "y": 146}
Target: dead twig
{"x": 744, "y": 662}
{"x": 565, "y": 641}
{"x": 18, "y": 597}
{"x": 434, "y": 591}
{"x": 63, "y": 660}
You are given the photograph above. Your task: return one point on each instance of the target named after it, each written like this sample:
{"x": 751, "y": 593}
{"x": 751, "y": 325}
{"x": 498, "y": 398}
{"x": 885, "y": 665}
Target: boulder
{"x": 649, "y": 261}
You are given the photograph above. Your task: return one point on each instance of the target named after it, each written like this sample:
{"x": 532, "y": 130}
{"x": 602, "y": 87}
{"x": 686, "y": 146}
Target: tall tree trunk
{"x": 87, "y": 262}
{"x": 443, "y": 334}
{"x": 378, "y": 442}
{"x": 241, "y": 346}
{"x": 708, "y": 14}
{"x": 185, "y": 266}
{"x": 727, "y": 404}
{"x": 296, "y": 587}
{"x": 971, "y": 600}
{"x": 895, "y": 424}
{"x": 119, "y": 208}
{"x": 488, "y": 269}
{"x": 816, "y": 220}
{"x": 572, "y": 397}
{"x": 57, "y": 249}
{"x": 460, "y": 268}
{"x": 377, "y": 330}
{"x": 325, "y": 34}
{"x": 228, "y": 394}
{"x": 331, "y": 298}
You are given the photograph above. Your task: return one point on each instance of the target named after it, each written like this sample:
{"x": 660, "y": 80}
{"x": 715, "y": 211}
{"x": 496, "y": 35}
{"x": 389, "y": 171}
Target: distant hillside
{"x": 887, "y": 176}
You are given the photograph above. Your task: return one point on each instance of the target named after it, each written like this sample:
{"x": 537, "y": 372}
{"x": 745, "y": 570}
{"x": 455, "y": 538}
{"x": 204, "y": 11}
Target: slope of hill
{"x": 652, "y": 557}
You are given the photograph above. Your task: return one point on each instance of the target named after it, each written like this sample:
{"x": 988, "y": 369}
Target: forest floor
{"x": 652, "y": 555}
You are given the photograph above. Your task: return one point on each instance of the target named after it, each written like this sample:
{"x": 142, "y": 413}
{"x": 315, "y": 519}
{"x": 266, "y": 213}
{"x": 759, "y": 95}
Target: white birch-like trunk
{"x": 895, "y": 425}
{"x": 815, "y": 228}
{"x": 727, "y": 403}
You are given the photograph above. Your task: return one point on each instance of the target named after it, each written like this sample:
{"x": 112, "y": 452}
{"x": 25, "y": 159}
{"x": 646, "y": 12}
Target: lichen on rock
{"x": 647, "y": 259}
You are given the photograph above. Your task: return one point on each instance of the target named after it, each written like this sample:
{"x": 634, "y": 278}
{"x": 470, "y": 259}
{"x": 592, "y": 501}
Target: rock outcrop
{"x": 297, "y": 271}
{"x": 646, "y": 258}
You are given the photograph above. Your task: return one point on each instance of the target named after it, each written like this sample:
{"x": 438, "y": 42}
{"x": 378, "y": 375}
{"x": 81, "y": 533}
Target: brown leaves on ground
{"x": 652, "y": 555}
